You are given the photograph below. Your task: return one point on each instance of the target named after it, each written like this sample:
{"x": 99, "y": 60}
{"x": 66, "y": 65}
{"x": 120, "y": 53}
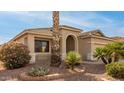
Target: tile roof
{"x": 93, "y": 32}
{"x": 118, "y": 38}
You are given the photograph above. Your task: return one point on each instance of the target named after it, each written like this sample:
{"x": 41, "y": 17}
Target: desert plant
{"x": 115, "y": 69}
{"x": 117, "y": 50}
{"x": 14, "y": 55}
{"x": 100, "y": 54}
{"x": 110, "y": 53}
{"x": 72, "y": 59}
{"x": 38, "y": 71}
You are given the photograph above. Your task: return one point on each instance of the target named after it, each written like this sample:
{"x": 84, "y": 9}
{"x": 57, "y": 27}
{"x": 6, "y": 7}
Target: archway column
{"x": 76, "y": 44}
{"x": 63, "y": 48}
{"x": 31, "y": 46}
{"x": 64, "y": 44}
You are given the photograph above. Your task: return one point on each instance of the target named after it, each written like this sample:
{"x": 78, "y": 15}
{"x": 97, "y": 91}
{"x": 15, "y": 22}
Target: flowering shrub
{"x": 14, "y": 55}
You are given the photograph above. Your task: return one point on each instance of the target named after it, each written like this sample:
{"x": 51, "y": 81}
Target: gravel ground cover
{"x": 93, "y": 71}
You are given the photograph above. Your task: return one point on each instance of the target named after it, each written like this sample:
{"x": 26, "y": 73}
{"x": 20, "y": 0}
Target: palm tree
{"x": 110, "y": 53}
{"x": 100, "y": 54}
{"x": 117, "y": 50}
{"x": 56, "y": 57}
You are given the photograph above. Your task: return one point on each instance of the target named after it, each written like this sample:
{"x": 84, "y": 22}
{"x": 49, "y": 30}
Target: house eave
{"x": 105, "y": 38}
{"x": 70, "y": 28}
{"x": 25, "y": 32}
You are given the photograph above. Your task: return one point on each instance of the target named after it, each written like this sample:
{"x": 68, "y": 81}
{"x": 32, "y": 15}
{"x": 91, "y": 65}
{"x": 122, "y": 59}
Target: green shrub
{"x": 111, "y": 52}
{"x": 38, "y": 71}
{"x": 14, "y": 55}
{"x": 115, "y": 69}
{"x": 72, "y": 59}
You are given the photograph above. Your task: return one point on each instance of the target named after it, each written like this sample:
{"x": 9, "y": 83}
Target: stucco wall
{"x": 30, "y": 37}
{"x": 84, "y": 45}
{"x": 65, "y": 33}
{"x": 21, "y": 39}
{"x": 39, "y": 57}
{"x": 88, "y": 45}
{"x": 85, "y": 48}
{"x": 44, "y": 58}
{"x": 98, "y": 42}
{"x": 46, "y": 32}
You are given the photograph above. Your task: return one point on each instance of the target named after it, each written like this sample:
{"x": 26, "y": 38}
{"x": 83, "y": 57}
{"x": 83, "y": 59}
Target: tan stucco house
{"x": 38, "y": 41}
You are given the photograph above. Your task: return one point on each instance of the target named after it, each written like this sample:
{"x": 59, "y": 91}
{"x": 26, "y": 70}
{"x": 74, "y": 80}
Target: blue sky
{"x": 12, "y": 23}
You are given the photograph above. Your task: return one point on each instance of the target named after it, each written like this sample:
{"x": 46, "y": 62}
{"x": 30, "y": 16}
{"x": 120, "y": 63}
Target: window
{"x": 41, "y": 46}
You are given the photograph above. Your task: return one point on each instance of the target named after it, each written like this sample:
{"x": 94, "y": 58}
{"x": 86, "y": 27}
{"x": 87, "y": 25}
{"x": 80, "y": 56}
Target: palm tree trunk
{"x": 116, "y": 58}
{"x": 104, "y": 60}
{"x": 56, "y": 57}
{"x": 109, "y": 60}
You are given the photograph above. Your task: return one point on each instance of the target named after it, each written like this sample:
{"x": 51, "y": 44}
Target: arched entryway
{"x": 70, "y": 43}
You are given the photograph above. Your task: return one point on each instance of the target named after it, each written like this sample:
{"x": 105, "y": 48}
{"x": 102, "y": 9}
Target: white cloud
{"x": 30, "y": 17}
{"x": 83, "y": 20}
{"x": 72, "y": 20}
{"x": 88, "y": 19}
